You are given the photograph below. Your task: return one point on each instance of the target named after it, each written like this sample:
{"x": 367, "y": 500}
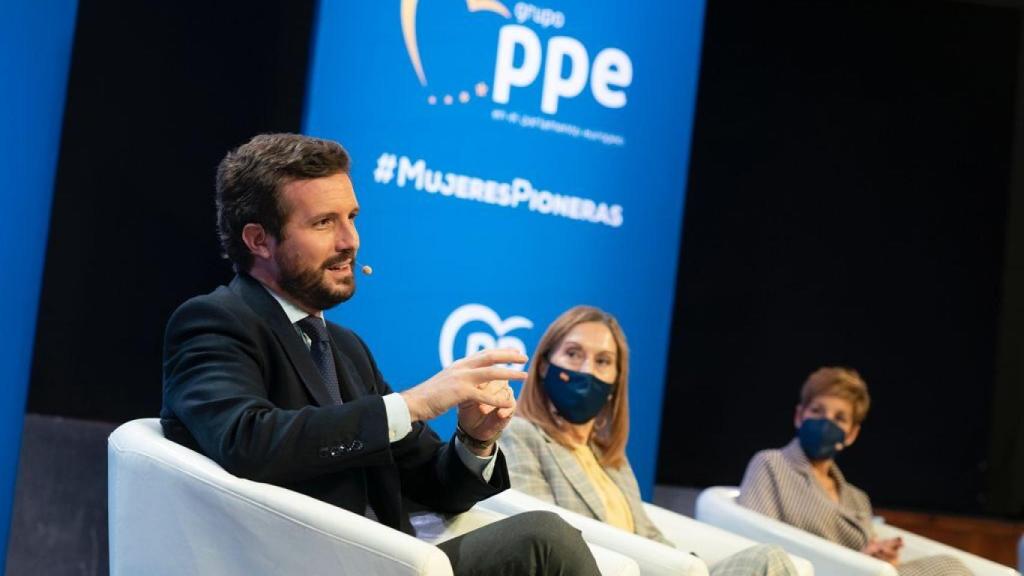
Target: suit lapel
{"x": 264, "y": 305}
{"x": 577, "y": 478}
{"x": 798, "y": 460}
{"x": 847, "y": 507}
{"x": 795, "y": 454}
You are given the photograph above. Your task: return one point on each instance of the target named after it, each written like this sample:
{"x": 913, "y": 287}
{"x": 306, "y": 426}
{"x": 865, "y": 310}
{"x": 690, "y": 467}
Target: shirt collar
{"x": 293, "y": 312}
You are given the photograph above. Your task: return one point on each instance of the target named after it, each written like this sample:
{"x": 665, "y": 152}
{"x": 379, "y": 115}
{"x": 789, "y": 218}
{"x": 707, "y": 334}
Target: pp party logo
{"x": 497, "y": 333}
{"x": 448, "y": 92}
{"x": 453, "y": 69}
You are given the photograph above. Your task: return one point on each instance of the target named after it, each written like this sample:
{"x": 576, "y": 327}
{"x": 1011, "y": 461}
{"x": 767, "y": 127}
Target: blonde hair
{"x": 611, "y": 429}
{"x": 845, "y": 383}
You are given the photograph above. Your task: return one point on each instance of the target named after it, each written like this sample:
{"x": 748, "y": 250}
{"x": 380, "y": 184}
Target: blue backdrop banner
{"x": 512, "y": 160}
{"x": 35, "y": 50}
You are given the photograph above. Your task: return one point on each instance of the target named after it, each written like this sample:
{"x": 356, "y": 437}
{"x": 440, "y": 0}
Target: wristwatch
{"x": 472, "y": 442}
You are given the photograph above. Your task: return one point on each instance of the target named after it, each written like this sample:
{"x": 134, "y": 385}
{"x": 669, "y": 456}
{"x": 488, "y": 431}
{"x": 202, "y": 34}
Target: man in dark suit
{"x": 256, "y": 379}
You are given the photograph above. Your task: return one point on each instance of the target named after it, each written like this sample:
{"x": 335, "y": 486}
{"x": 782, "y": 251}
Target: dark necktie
{"x": 320, "y": 349}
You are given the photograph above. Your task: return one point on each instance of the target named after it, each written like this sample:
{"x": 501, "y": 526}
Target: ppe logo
{"x": 563, "y": 66}
{"x": 497, "y": 337}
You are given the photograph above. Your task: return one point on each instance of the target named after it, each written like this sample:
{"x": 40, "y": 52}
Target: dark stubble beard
{"x": 309, "y": 286}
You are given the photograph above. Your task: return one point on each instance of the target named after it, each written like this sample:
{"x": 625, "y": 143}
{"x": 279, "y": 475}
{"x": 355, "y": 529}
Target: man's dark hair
{"x": 250, "y": 178}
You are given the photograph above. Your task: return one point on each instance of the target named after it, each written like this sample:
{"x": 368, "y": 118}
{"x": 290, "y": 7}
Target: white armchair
{"x": 717, "y": 506}
{"x": 709, "y": 543}
{"x": 173, "y": 511}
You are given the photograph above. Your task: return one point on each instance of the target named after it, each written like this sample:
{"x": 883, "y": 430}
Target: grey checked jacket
{"x": 545, "y": 469}
{"x": 780, "y": 484}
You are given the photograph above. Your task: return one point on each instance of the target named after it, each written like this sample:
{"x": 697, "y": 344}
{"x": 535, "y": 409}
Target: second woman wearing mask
{"x": 567, "y": 443}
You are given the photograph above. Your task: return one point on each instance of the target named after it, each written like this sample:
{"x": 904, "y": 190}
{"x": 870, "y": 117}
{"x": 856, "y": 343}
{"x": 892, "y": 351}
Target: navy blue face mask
{"x": 818, "y": 438}
{"x": 577, "y": 396}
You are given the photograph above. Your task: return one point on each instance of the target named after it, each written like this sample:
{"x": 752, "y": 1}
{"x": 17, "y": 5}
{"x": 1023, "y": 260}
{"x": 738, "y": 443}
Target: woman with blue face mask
{"x": 800, "y": 484}
{"x": 567, "y": 443}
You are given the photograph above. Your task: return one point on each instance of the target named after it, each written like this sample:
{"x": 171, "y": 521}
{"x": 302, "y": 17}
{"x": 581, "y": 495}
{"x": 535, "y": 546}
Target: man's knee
{"x": 546, "y": 528}
{"x": 554, "y": 544}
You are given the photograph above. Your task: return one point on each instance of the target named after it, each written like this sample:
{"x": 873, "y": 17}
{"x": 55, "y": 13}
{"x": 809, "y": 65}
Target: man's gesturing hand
{"x": 467, "y": 380}
{"x": 484, "y": 422}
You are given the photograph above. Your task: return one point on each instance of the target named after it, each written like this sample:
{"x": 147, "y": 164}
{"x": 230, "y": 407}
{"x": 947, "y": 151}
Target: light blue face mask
{"x": 819, "y": 437}
{"x": 577, "y": 396}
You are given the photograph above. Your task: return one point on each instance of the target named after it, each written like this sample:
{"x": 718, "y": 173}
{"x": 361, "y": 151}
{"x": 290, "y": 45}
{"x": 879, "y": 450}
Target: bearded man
{"x": 256, "y": 379}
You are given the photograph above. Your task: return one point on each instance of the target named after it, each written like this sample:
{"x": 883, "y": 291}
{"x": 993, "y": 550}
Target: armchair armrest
{"x": 653, "y": 558}
{"x": 717, "y": 506}
{"x": 710, "y": 543}
{"x": 916, "y": 546}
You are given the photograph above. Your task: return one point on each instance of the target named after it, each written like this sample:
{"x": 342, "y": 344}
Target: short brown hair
{"x": 612, "y": 429}
{"x": 838, "y": 381}
{"x": 249, "y": 181}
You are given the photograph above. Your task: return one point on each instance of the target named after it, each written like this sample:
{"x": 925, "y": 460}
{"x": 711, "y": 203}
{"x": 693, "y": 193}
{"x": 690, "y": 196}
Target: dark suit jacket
{"x": 241, "y": 387}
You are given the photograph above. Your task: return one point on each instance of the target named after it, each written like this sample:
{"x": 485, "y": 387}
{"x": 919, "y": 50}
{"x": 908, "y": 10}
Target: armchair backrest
{"x": 174, "y": 511}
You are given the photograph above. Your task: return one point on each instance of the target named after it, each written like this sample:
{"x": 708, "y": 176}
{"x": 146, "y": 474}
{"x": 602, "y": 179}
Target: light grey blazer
{"x": 780, "y": 484}
{"x": 543, "y": 468}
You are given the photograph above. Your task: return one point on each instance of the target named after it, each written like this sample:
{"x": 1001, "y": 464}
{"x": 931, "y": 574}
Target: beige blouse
{"x": 612, "y": 498}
